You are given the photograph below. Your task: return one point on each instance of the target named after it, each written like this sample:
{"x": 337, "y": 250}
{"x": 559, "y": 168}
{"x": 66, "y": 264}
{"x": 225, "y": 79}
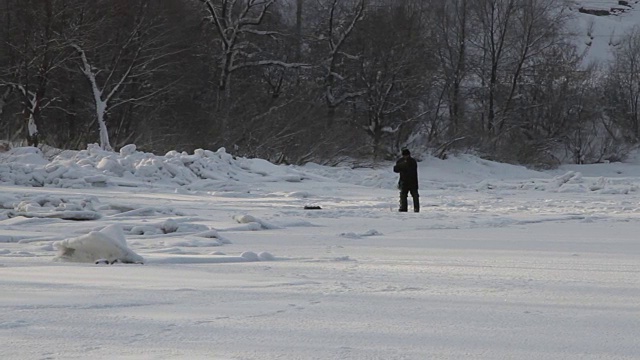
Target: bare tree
{"x": 299, "y": 27}
{"x": 394, "y": 71}
{"x": 134, "y": 56}
{"x": 538, "y": 25}
{"x": 513, "y": 35}
{"x": 340, "y": 24}
{"x": 244, "y": 36}
{"x": 494, "y": 19}
{"x": 3, "y": 98}
{"x": 37, "y": 51}
{"x": 452, "y": 23}
{"x": 235, "y": 22}
{"x": 623, "y": 85}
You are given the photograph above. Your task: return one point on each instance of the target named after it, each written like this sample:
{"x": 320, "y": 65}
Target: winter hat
{"x": 406, "y": 152}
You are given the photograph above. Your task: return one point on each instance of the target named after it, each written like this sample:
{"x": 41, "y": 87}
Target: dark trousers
{"x": 403, "y": 199}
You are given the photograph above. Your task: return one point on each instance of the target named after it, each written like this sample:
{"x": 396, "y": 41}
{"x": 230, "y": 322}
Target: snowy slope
{"x": 597, "y": 35}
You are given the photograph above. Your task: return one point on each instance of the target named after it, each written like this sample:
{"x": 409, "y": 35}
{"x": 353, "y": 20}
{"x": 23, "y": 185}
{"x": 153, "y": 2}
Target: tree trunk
{"x": 298, "y": 53}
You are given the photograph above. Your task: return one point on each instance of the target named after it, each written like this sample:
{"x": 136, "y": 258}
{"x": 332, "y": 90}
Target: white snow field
{"x": 501, "y": 263}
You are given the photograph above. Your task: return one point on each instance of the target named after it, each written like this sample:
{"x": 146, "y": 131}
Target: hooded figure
{"x": 407, "y": 167}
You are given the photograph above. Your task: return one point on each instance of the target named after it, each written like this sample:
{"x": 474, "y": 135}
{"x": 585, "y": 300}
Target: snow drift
{"x": 108, "y": 244}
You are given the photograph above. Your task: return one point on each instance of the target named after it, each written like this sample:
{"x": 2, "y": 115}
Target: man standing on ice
{"x": 407, "y": 167}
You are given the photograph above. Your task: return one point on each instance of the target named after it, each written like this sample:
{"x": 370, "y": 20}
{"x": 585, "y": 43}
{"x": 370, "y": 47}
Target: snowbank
{"x": 94, "y": 167}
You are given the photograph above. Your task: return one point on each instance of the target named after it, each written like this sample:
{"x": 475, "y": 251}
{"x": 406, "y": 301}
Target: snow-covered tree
{"x": 126, "y": 61}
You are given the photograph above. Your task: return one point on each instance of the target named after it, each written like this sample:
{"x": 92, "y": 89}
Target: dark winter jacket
{"x": 407, "y": 167}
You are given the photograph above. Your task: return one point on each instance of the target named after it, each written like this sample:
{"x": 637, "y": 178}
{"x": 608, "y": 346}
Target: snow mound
{"x": 255, "y": 223}
{"x": 107, "y": 244}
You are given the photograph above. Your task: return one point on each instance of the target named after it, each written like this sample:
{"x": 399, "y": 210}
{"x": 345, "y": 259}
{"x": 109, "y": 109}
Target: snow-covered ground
{"x": 598, "y": 36}
{"x": 501, "y": 263}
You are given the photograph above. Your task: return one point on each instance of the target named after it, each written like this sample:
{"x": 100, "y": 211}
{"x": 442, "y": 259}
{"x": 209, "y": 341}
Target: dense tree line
{"x": 301, "y": 80}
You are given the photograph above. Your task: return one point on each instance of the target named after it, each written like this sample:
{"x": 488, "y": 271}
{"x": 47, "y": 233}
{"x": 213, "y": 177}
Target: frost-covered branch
{"x": 278, "y": 63}
{"x": 233, "y": 27}
{"x": 336, "y": 38}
